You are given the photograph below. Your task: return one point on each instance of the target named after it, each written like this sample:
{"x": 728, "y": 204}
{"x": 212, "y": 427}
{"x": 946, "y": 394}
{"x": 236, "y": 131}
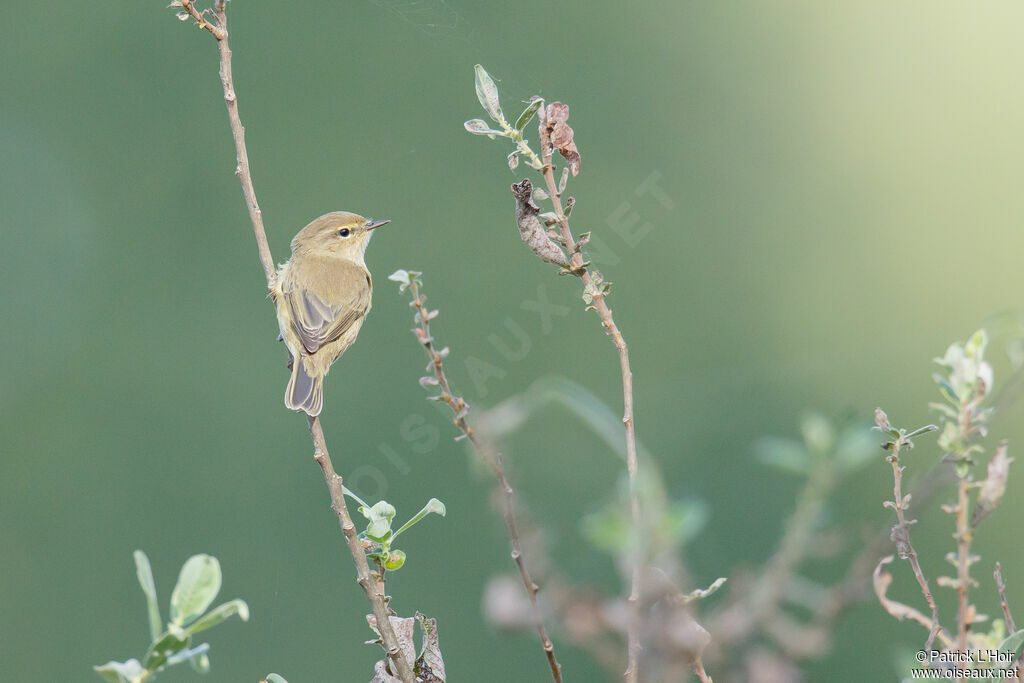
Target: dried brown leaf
{"x": 531, "y": 228}
{"x": 556, "y": 134}
{"x": 994, "y": 486}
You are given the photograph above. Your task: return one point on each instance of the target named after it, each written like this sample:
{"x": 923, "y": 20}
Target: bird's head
{"x": 338, "y": 233}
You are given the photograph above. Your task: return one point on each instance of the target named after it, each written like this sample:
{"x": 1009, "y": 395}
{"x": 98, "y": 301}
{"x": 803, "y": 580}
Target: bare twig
{"x": 756, "y": 607}
{"x": 1011, "y": 627}
{"x": 881, "y": 580}
{"x": 605, "y": 313}
{"x": 238, "y": 133}
{"x": 200, "y": 17}
{"x": 372, "y": 583}
{"x": 698, "y": 668}
{"x": 901, "y": 536}
{"x": 460, "y": 409}
{"x": 374, "y": 592}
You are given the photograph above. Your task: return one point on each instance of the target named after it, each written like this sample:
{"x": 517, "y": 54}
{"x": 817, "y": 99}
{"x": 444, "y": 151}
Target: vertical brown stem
{"x": 897, "y": 493}
{"x": 323, "y": 458}
{"x": 497, "y": 465}
{"x": 374, "y": 589}
{"x": 242, "y": 155}
{"x": 963, "y": 550}
{"x": 632, "y": 467}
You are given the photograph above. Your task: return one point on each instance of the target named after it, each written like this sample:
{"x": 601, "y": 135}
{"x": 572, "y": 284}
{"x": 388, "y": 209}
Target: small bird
{"x": 322, "y": 296}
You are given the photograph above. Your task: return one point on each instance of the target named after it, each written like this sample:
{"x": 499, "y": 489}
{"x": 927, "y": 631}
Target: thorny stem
{"x": 334, "y": 482}
{"x": 904, "y": 526}
{"x": 495, "y": 462}
{"x": 605, "y": 313}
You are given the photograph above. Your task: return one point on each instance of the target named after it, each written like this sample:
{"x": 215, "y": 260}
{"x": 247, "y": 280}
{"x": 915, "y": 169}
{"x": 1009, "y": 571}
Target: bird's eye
{"x": 344, "y": 232}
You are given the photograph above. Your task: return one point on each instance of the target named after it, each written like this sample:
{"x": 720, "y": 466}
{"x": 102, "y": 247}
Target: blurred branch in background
{"x": 900, "y": 533}
{"x": 751, "y": 634}
{"x": 965, "y": 381}
{"x": 556, "y": 134}
{"x": 373, "y": 588}
{"x": 493, "y": 459}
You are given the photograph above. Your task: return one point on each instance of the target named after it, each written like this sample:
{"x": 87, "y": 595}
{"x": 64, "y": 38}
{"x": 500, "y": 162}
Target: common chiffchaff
{"x": 322, "y": 296}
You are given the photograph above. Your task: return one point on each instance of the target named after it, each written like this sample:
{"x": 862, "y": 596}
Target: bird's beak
{"x": 372, "y": 224}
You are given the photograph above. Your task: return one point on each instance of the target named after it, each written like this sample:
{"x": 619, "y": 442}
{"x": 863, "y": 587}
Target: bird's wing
{"x": 316, "y": 319}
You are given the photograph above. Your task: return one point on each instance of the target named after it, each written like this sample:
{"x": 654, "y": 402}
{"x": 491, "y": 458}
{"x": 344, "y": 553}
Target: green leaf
{"x": 192, "y": 654}
{"x": 353, "y": 496}
{"x": 487, "y": 93}
{"x": 818, "y": 433}
{"x": 946, "y": 389}
{"x": 433, "y": 506}
{"x": 1011, "y": 646}
{"x": 200, "y": 663}
{"x": 528, "y": 113}
{"x": 943, "y": 408}
{"x": 683, "y": 520}
{"x": 607, "y": 530}
{"x": 380, "y": 516}
{"x": 395, "y": 560}
{"x": 783, "y": 454}
{"x": 145, "y": 573}
{"x": 480, "y": 127}
{"x": 405, "y": 278}
{"x": 975, "y": 346}
{"x": 168, "y": 644}
{"x": 400, "y": 276}
{"x": 120, "y": 672}
{"x": 1013, "y": 642}
{"x": 198, "y": 585}
{"x": 922, "y": 430}
{"x": 275, "y": 678}
{"x": 219, "y": 614}
{"x": 855, "y": 447}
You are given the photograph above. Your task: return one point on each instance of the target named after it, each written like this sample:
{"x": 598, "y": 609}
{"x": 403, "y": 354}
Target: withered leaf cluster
{"x": 555, "y": 133}
{"x": 531, "y": 227}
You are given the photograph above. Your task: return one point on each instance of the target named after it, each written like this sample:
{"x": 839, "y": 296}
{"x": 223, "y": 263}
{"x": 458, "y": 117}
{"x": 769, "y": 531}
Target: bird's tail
{"x": 304, "y": 392}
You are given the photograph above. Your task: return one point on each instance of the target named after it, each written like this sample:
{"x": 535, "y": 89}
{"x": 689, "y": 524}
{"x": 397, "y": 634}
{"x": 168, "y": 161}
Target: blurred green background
{"x": 845, "y": 189}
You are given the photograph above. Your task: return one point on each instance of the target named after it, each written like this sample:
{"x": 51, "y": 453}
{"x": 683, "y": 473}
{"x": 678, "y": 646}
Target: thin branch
{"x": 238, "y": 133}
{"x": 200, "y": 17}
{"x": 881, "y": 580}
{"x": 904, "y": 546}
{"x": 460, "y": 409}
{"x": 1011, "y": 627}
{"x": 372, "y": 584}
{"x": 698, "y": 668}
{"x": 963, "y": 552}
{"x": 334, "y": 482}
{"x": 964, "y": 531}
{"x": 605, "y": 313}
{"x": 759, "y": 605}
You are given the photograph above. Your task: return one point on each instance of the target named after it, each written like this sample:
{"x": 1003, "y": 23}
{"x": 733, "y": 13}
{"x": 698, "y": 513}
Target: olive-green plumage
{"x": 322, "y": 296}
